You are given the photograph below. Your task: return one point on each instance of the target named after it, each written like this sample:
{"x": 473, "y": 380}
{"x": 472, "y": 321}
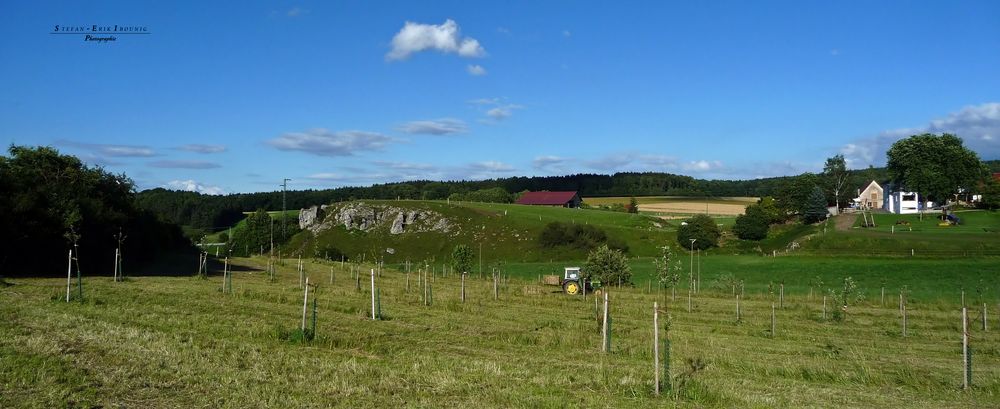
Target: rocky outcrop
{"x": 368, "y": 217}
{"x": 311, "y": 216}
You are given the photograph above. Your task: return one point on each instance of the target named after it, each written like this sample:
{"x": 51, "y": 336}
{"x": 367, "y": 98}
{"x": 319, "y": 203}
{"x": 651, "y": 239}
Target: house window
{"x": 910, "y": 197}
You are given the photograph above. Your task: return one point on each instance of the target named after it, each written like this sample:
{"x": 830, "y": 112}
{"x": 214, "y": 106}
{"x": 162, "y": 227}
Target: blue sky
{"x": 234, "y": 97}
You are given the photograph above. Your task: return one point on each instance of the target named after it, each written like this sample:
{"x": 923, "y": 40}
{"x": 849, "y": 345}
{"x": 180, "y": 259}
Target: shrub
{"x": 461, "y": 258}
{"x": 702, "y": 228}
{"x": 752, "y": 225}
{"x": 581, "y": 236}
{"x": 608, "y": 265}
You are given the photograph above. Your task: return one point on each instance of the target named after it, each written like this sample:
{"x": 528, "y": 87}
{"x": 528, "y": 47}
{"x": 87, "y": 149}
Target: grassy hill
{"x": 505, "y": 232}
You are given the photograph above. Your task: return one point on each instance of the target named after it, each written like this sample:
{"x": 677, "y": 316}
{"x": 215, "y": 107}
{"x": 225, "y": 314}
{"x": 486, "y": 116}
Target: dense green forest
{"x": 51, "y": 202}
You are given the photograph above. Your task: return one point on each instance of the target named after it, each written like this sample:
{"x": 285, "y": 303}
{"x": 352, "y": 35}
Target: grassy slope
{"x": 178, "y": 342}
{"x": 506, "y": 231}
{"x": 979, "y": 234}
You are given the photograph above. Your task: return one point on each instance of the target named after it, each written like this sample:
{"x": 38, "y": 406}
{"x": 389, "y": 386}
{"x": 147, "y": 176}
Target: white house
{"x": 870, "y": 197}
{"x": 902, "y": 202}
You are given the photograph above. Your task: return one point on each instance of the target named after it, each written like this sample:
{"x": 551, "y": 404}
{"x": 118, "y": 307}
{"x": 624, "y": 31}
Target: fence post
{"x": 605, "y": 336}
{"x": 824, "y": 308}
{"x": 737, "y": 308}
{"x": 305, "y": 306}
{"x": 773, "y": 326}
{"x": 656, "y": 348}
{"x": 496, "y": 288}
{"x": 781, "y": 296}
{"x": 69, "y": 274}
{"x": 463, "y": 286}
{"x": 904, "y": 321}
{"x": 966, "y": 358}
{"x": 373, "y": 293}
{"x": 984, "y": 318}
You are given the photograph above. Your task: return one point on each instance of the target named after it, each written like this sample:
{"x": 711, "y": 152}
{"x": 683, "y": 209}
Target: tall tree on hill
{"x": 836, "y": 174}
{"x": 815, "y": 209}
{"x": 633, "y": 205}
{"x": 703, "y": 229}
{"x": 934, "y": 166}
{"x": 253, "y": 235}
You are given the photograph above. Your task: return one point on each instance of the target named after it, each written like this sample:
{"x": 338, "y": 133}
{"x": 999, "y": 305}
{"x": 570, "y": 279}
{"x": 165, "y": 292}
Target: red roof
{"x": 996, "y": 176}
{"x": 546, "y": 198}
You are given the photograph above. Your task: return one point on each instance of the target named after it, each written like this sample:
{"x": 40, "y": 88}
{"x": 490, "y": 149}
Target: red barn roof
{"x": 546, "y": 198}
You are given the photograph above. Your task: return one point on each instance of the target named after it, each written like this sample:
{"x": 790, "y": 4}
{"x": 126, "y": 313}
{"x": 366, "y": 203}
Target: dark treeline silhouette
{"x": 48, "y": 199}
{"x": 215, "y": 212}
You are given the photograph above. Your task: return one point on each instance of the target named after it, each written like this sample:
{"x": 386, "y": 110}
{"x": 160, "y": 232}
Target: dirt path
{"x": 844, "y": 221}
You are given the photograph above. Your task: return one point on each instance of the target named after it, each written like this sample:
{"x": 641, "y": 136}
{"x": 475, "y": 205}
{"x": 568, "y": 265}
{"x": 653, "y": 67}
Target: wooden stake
{"x": 656, "y": 348}
{"x": 824, "y": 308}
{"x": 966, "y": 365}
{"x": 496, "y": 288}
{"x": 605, "y": 345}
{"x": 463, "y": 287}
{"x": 331, "y": 275}
{"x": 781, "y": 296}
{"x": 984, "y": 317}
{"x": 904, "y": 321}
{"x": 737, "y": 307}
{"x": 305, "y": 303}
{"x": 773, "y": 324}
{"x": 69, "y": 274}
{"x": 116, "y": 266}
{"x": 373, "y": 293}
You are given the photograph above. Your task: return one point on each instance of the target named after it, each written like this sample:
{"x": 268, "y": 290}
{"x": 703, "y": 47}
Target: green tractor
{"x": 573, "y": 282}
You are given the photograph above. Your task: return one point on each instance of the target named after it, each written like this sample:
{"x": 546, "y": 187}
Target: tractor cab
{"x": 573, "y": 282}
{"x": 572, "y": 273}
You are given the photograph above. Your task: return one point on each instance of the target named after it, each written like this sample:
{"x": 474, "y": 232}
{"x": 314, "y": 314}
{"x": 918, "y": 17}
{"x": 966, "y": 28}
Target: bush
{"x": 608, "y": 265}
{"x": 702, "y": 228}
{"x": 581, "y": 236}
{"x": 752, "y": 225}
{"x": 461, "y": 258}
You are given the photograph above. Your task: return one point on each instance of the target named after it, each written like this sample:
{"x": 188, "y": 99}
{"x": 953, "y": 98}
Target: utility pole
{"x": 284, "y": 228}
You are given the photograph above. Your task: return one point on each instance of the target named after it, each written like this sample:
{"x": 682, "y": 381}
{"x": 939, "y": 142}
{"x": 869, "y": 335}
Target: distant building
{"x": 546, "y": 198}
{"x": 872, "y": 197}
{"x": 903, "y": 203}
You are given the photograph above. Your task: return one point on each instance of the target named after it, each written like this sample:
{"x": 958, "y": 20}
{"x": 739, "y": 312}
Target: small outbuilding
{"x": 547, "y": 198}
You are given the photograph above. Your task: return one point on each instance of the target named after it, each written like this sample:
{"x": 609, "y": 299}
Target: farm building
{"x": 871, "y": 197}
{"x": 903, "y": 202}
{"x": 546, "y": 198}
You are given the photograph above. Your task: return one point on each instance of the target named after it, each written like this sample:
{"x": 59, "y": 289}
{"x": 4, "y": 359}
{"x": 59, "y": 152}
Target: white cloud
{"x": 444, "y": 126}
{"x": 109, "y": 150}
{"x": 200, "y": 148}
{"x": 475, "y": 70}
{"x": 184, "y": 164}
{"x": 323, "y": 142}
{"x": 702, "y": 166}
{"x": 502, "y": 112}
{"x": 193, "y": 186}
{"x": 548, "y": 162}
{"x": 485, "y": 101}
{"x": 445, "y": 38}
{"x": 491, "y": 166}
{"x": 977, "y": 125}
{"x": 567, "y": 34}
{"x": 404, "y": 165}
{"x": 296, "y": 11}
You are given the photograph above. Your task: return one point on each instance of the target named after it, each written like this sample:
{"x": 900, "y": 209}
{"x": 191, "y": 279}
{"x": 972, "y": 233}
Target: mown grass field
{"x": 180, "y": 342}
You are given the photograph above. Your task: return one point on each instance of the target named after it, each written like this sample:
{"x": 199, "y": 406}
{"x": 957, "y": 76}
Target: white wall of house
{"x": 903, "y": 202}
